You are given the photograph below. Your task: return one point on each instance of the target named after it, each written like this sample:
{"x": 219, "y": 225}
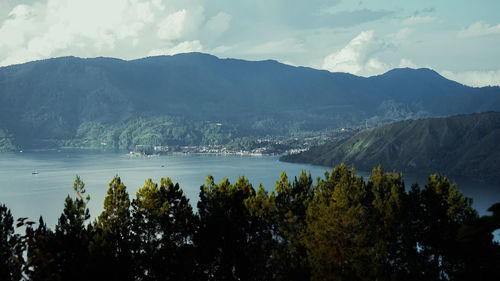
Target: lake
{"x": 31, "y": 195}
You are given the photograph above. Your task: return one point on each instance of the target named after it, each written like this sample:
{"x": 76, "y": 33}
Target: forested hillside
{"x": 463, "y": 145}
{"x": 341, "y": 228}
{"x": 115, "y": 103}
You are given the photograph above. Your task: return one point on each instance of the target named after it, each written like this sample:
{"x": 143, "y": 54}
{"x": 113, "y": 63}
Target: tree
{"x": 261, "y": 207}
{"x": 112, "y": 244}
{"x": 227, "y": 241}
{"x": 11, "y": 260}
{"x": 384, "y": 205}
{"x": 163, "y": 225}
{"x": 437, "y": 212}
{"x": 483, "y": 225}
{"x": 337, "y": 221}
{"x": 480, "y": 254}
{"x": 289, "y": 223}
{"x": 341, "y": 228}
{"x": 71, "y": 237}
{"x": 42, "y": 247}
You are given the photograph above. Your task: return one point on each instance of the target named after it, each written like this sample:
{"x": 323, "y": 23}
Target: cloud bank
{"x": 355, "y": 57}
{"x": 479, "y": 28}
{"x": 418, "y": 20}
{"x": 474, "y": 78}
{"x": 373, "y": 37}
{"x": 117, "y": 28}
{"x": 359, "y": 57}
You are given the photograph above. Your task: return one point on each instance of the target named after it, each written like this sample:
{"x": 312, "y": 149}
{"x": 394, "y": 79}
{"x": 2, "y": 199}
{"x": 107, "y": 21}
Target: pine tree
{"x": 71, "y": 237}
{"x": 163, "y": 225}
{"x": 337, "y": 222}
{"x": 386, "y": 195}
{"x": 289, "y": 223}
{"x": 41, "y": 255}
{"x": 112, "y": 245}
{"x": 11, "y": 260}
{"x": 227, "y": 240}
{"x": 443, "y": 211}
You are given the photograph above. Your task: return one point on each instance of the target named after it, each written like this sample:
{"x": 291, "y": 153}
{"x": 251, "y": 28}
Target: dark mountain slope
{"x": 57, "y": 99}
{"x": 464, "y": 145}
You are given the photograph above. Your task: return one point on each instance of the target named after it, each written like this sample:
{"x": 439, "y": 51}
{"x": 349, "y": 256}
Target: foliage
{"x": 288, "y": 224}
{"x": 11, "y": 260}
{"x": 151, "y": 131}
{"x": 44, "y": 255}
{"x": 89, "y": 102}
{"x": 112, "y": 236}
{"x": 163, "y": 226}
{"x": 62, "y": 254}
{"x": 343, "y": 227}
{"x": 229, "y": 238}
{"x": 461, "y": 146}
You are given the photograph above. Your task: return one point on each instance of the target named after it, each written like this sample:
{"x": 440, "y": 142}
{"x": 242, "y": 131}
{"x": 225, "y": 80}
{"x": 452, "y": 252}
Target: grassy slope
{"x": 464, "y": 145}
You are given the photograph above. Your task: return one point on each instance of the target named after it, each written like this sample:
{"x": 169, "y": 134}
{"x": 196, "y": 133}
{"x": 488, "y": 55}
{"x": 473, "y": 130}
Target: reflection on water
{"x": 31, "y": 195}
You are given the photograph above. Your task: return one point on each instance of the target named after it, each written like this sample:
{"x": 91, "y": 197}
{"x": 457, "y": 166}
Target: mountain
{"x": 463, "y": 145}
{"x": 198, "y": 98}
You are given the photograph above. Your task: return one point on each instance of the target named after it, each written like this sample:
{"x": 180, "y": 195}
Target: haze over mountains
{"x": 196, "y": 98}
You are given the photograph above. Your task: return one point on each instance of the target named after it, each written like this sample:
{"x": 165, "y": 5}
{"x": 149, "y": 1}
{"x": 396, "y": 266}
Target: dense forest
{"x": 458, "y": 146}
{"x": 177, "y": 100}
{"x": 342, "y": 227}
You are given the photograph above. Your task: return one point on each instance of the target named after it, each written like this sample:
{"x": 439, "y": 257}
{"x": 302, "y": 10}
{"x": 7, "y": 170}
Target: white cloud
{"x": 407, "y": 63}
{"x": 290, "y": 63}
{"x": 182, "y": 24}
{"x": 400, "y": 37}
{"x": 76, "y": 27}
{"x": 355, "y": 57}
{"x": 288, "y": 45}
{"x": 171, "y": 28}
{"x": 129, "y": 29}
{"x": 21, "y": 12}
{"x": 479, "y": 28}
{"x": 17, "y": 27}
{"x": 88, "y": 28}
{"x": 158, "y": 4}
{"x": 373, "y": 66}
{"x": 186, "y": 47}
{"x": 183, "y": 47}
{"x": 418, "y": 20}
{"x": 474, "y": 78}
{"x": 218, "y": 24}
{"x": 102, "y": 22}
{"x": 223, "y": 49}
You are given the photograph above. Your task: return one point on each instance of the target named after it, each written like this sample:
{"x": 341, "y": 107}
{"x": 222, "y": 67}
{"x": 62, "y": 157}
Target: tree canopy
{"x": 340, "y": 227}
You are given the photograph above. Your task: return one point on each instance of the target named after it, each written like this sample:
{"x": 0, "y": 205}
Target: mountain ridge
{"x": 461, "y": 145}
{"x": 57, "y": 99}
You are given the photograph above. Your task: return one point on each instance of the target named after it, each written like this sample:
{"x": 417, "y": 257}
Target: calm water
{"x": 30, "y": 195}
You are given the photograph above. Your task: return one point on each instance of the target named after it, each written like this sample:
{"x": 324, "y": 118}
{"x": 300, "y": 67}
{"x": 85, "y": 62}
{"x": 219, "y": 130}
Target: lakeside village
{"x": 211, "y": 149}
{"x": 150, "y": 151}
{"x": 249, "y": 146}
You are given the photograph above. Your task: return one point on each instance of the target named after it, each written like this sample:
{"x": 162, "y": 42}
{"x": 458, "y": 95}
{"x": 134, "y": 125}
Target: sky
{"x": 460, "y": 39}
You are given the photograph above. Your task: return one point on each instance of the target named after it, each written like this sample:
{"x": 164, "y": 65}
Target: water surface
{"x": 31, "y": 195}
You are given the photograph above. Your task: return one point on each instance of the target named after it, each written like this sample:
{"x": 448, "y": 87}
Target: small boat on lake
{"x": 35, "y": 172}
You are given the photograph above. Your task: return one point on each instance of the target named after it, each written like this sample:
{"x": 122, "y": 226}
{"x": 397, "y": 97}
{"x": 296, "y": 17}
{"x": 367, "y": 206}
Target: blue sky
{"x": 460, "y": 39}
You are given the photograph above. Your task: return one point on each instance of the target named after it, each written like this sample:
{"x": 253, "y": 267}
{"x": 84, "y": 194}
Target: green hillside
{"x": 464, "y": 145}
{"x": 177, "y": 100}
